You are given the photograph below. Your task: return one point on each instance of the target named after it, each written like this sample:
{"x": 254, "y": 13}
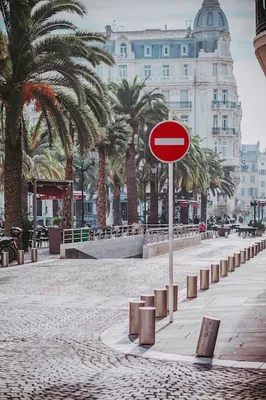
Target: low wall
{"x": 156, "y": 249}
{"x": 124, "y": 247}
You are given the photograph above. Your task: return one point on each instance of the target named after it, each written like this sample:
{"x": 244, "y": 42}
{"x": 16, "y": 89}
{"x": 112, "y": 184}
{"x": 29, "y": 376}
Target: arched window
{"x": 209, "y": 19}
{"x": 221, "y": 19}
{"x": 198, "y": 19}
{"x": 123, "y": 50}
{"x": 224, "y": 48}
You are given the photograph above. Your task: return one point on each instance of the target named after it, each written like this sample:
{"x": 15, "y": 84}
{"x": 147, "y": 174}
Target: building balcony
{"x": 231, "y": 162}
{"x": 224, "y": 131}
{"x": 260, "y": 39}
{"x": 179, "y": 105}
{"x": 225, "y": 104}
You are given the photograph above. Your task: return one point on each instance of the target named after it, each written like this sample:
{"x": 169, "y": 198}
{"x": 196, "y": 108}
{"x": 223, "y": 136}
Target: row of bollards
{"x": 143, "y": 313}
{"x": 20, "y": 257}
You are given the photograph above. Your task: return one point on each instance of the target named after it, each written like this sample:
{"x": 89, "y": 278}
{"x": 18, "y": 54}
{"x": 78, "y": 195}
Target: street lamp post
{"x": 82, "y": 170}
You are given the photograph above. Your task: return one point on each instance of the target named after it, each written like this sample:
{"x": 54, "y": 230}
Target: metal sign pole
{"x": 170, "y": 220}
{"x": 34, "y": 212}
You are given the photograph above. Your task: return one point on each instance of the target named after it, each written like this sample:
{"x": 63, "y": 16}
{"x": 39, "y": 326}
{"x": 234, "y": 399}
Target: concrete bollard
{"x": 160, "y": 302}
{"x": 175, "y": 299}
{"x": 257, "y": 248}
{"x": 226, "y": 235}
{"x": 213, "y": 235}
{"x": 215, "y": 272}
{"x": 261, "y": 245}
{"x": 4, "y": 259}
{"x": 231, "y": 263}
{"x": 204, "y": 279}
{"x": 192, "y": 286}
{"x": 223, "y": 268}
{"x": 148, "y": 299}
{"x": 147, "y": 325}
{"x": 247, "y": 250}
{"x": 217, "y": 234}
{"x": 208, "y": 336}
{"x": 237, "y": 260}
{"x": 20, "y": 257}
{"x": 134, "y": 316}
{"x": 254, "y": 250}
{"x": 242, "y": 256}
{"x": 34, "y": 256}
{"x": 264, "y": 243}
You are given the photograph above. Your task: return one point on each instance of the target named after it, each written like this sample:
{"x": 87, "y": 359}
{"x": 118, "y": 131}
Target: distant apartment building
{"x": 250, "y": 179}
{"x": 260, "y": 39}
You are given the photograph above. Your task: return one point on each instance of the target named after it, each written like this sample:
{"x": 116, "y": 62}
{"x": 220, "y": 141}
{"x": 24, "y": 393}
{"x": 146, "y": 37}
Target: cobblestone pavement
{"x": 51, "y": 317}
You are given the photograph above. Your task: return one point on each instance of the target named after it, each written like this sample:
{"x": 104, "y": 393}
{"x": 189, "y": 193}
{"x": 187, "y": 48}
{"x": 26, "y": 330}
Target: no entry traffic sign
{"x": 169, "y": 141}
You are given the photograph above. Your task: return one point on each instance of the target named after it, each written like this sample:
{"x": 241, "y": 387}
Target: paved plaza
{"x": 53, "y": 313}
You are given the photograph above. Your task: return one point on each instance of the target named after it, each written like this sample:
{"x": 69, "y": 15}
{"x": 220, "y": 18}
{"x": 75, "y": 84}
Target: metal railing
{"x": 179, "y": 105}
{"x": 156, "y": 235}
{"x": 223, "y": 104}
{"x": 152, "y": 235}
{"x": 76, "y": 235}
{"x": 224, "y": 131}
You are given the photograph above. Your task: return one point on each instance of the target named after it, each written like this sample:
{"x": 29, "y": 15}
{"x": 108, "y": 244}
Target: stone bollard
{"x": 160, "y": 302}
{"x": 192, "y": 286}
{"x": 237, "y": 260}
{"x": 247, "y": 250}
{"x": 242, "y": 256}
{"x": 4, "y": 259}
{"x": 147, "y": 325}
{"x": 223, "y": 268}
{"x": 264, "y": 243}
{"x": 148, "y": 299}
{"x": 215, "y": 273}
{"x": 261, "y": 245}
{"x": 254, "y": 250}
{"x": 20, "y": 257}
{"x": 33, "y": 254}
{"x": 208, "y": 336}
{"x": 231, "y": 263}
{"x": 175, "y": 297}
{"x": 257, "y": 248}
{"x": 226, "y": 235}
{"x": 204, "y": 279}
{"x": 134, "y": 316}
{"x": 251, "y": 251}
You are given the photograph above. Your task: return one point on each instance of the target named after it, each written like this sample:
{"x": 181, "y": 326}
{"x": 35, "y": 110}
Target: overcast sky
{"x": 143, "y": 14}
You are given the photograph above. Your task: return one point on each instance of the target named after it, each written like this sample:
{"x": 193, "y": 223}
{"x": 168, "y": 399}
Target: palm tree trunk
{"x": 12, "y": 181}
{"x": 117, "y": 207}
{"x": 154, "y": 201}
{"x": 132, "y": 196}
{"x": 101, "y": 203}
{"x": 67, "y": 205}
{"x": 203, "y": 207}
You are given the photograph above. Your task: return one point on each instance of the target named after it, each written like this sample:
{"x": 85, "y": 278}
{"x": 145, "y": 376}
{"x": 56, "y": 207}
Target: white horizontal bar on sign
{"x": 169, "y": 141}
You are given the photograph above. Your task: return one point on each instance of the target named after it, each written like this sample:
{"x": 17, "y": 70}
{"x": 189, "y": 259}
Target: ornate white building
{"x": 193, "y": 68}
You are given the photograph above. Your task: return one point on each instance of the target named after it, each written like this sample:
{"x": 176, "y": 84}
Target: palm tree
{"x": 113, "y": 141}
{"x": 151, "y": 116}
{"x": 39, "y": 63}
{"x": 131, "y": 100}
{"x": 117, "y": 180}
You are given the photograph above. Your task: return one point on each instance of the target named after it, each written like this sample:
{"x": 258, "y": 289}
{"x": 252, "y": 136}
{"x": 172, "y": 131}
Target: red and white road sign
{"x": 169, "y": 141}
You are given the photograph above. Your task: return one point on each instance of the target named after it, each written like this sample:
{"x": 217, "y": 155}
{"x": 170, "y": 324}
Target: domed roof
{"x": 210, "y": 18}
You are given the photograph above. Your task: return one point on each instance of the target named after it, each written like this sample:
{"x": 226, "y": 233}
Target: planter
{"x": 222, "y": 231}
{"x": 259, "y": 232}
{"x": 55, "y": 239}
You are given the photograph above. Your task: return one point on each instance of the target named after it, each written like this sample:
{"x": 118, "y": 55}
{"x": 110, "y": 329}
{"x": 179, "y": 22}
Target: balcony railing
{"x": 223, "y": 104}
{"x": 179, "y": 105}
{"x": 260, "y": 16}
{"x": 224, "y": 131}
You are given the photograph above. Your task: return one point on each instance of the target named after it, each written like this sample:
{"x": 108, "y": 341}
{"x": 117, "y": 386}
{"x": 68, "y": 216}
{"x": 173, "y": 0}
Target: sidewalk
{"x": 238, "y": 300}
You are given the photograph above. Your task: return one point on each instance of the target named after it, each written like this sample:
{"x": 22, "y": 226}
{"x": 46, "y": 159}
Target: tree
{"x": 40, "y": 64}
{"x": 112, "y": 142}
{"x": 131, "y": 100}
